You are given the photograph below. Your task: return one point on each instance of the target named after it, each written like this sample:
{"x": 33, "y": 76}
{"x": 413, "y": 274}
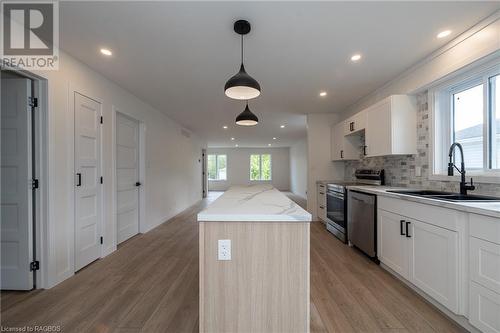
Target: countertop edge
{"x": 435, "y": 202}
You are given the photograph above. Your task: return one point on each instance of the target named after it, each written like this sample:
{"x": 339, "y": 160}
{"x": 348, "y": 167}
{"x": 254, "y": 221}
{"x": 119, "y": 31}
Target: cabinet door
{"x": 337, "y": 142}
{"x": 322, "y": 202}
{"x": 355, "y": 123}
{"x": 392, "y": 243}
{"x": 378, "y": 130}
{"x": 434, "y": 262}
{"x": 484, "y": 306}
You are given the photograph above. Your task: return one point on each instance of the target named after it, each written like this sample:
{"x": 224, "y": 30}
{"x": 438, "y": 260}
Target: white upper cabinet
{"x": 355, "y": 124}
{"x": 391, "y": 127}
{"x": 343, "y": 147}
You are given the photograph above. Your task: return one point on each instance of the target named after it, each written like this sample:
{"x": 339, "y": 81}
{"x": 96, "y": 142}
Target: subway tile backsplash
{"x": 400, "y": 170}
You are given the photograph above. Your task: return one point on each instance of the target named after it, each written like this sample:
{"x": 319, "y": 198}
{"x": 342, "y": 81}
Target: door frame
{"x": 42, "y": 214}
{"x": 142, "y": 174}
{"x": 72, "y": 89}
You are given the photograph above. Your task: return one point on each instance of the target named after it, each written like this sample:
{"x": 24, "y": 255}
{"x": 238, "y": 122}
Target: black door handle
{"x": 401, "y": 226}
{"x": 407, "y": 234}
{"x": 137, "y": 184}
{"x": 341, "y": 154}
{"x": 79, "y": 179}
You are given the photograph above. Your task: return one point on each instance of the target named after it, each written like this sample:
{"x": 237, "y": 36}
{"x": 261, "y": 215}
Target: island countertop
{"x": 256, "y": 203}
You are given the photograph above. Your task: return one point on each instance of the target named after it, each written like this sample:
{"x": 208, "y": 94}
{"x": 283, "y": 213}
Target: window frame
{"x": 440, "y": 99}
{"x": 216, "y": 168}
{"x": 260, "y": 168}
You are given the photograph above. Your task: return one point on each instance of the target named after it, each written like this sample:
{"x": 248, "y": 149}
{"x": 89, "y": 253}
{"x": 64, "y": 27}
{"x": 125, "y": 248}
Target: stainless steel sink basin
{"x": 448, "y": 196}
{"x": 420, "y": 192}
{"x": 468, "y": 198}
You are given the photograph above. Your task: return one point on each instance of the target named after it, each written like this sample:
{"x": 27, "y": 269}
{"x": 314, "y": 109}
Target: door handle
{"x": 137, "y": 184}
{"x": 401, "y": 226}
{"x": 341, "y": 154}
{"x": 407, "y": 234}
{"x": 364, "y": 150}
{"x": 79, "y": 179}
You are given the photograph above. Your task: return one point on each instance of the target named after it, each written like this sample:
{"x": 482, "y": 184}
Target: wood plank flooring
{"x": 150, "y": 284}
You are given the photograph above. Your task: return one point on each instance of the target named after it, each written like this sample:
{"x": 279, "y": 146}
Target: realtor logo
{"x": 30, "y": 33}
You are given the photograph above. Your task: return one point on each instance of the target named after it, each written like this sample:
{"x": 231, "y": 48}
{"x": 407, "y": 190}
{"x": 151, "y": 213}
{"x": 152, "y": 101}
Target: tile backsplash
{"x": 400, "y": 170}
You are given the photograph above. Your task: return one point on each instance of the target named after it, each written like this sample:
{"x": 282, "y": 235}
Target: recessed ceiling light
{"x": 356, "y": 57}
{"x": 323, "y": 94}
{"x": 269, "y": 144}
{"x": 232, "y": 139}
{"x": 106, "y": 52}
{"x": 274, "y": 138}
{"x": 236, "y": 145}
{"x": 282, "y": 126}
{"x": 443, "y": 34}
{"x": 224, "y": 127}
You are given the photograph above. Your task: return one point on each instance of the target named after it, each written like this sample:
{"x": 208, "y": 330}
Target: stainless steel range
{"x": 336, "y": 200}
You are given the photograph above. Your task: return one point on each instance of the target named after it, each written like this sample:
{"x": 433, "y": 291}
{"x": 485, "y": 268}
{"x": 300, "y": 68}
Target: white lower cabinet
{"x": 392, "y": 242}
{"x": 452, "y": 256}
{"x": 434, "y": 262}
{"x": 484, "y": 272}
{"x": 424, "y": 254}
{"x": 484, "y": 312}
{"x": 322, "y": 202}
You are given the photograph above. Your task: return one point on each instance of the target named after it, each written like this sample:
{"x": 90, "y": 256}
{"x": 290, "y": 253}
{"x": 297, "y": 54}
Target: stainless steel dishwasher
{"x": 362, "y": 222}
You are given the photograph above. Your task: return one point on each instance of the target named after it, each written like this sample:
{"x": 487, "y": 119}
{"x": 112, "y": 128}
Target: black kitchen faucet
{"x": 464, "y": 187}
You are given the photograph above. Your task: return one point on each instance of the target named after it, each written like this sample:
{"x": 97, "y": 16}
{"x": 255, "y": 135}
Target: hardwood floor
{"x": 150, "y": 284}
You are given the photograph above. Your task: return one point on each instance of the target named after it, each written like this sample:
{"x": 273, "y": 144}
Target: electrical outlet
{"x": 224, "y": 252}
{"x": 418, "y": 171}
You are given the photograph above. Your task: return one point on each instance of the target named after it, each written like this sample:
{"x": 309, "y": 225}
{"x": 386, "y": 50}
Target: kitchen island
{"x": 259, "y": 282}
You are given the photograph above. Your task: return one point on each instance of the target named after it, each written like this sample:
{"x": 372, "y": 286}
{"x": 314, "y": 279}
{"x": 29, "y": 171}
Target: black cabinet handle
{"x": 351, "y": 126}
{"x": 401, "y": 227}
{"x": 341, "y": 154}
{"x": 364, "y": 150}
{"x": 321, "y": 192}
{"x": 137, "y": 184}
{"x": 407, "y": 234}
{"x": 79, "y": 179}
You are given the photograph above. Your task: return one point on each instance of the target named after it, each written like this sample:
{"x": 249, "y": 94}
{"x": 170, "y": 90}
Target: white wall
{"x": 172, "y": 176}
{"x": 298, "y": 168}
{"x": 320, "y": 166}
{"x": 238, "y": 167}
{"x": 477, "y": 43}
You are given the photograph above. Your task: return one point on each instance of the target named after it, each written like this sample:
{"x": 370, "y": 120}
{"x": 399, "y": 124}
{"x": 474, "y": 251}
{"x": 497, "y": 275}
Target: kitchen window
{"x": 466, "y": 110}
{"x": 217, "y": 167}
{"x": 260, "y": 167}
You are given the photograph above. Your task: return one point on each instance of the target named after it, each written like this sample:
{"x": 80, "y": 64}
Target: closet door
{"x": 87, "y": 182}
{"x": 16, "y": 191}
{"x": 127, "y": 177}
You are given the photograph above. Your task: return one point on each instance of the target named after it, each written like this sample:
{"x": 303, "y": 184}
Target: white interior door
{"x": 16, "y": 193}
{"x": 88, "y": 186}
{"x": 127, "y": 177}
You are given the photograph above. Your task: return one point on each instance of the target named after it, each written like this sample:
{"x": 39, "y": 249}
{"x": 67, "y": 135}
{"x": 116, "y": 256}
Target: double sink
{"x": 448, "y": 196}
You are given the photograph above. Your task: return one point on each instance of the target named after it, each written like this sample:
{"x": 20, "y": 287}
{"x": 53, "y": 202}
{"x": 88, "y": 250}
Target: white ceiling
{"x": 178, "y": 55}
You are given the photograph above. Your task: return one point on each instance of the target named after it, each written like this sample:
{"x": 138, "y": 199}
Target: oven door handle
{"x": 335, "y": 195}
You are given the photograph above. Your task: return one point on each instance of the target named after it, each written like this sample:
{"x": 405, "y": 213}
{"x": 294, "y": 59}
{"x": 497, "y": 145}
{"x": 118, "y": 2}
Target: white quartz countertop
{"x": 483, "y": 208}
{"x": 254, "y": 203}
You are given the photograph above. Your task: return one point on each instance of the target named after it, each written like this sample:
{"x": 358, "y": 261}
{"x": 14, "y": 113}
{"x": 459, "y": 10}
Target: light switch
{"x": 224, "y": 249}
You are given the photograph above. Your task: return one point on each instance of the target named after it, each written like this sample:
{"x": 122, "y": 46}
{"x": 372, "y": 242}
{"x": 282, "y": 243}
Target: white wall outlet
{"x": 418, "y": 171}
{"x": 224, "y": 252}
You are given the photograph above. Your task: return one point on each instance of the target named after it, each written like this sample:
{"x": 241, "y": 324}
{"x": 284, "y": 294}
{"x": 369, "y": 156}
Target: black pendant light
{"x": 247, "y": 118}
{"x": 242, "y": 86}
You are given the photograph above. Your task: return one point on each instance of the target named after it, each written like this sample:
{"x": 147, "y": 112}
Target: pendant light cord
{"x": 241, "y": 49}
